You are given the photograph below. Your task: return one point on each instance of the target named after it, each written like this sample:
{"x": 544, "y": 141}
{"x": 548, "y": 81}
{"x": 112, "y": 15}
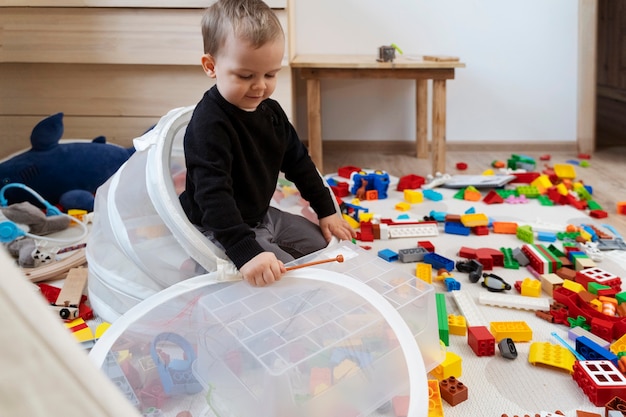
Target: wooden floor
{"x": 606, "y": 173}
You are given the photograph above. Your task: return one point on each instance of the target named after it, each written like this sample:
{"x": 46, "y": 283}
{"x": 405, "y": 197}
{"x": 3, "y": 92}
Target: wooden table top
{"x": 369, "y": 62}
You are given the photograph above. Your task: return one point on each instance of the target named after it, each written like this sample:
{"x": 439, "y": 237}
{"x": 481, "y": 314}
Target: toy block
{"x": 509, "y": 228}
{"x": 450, "y": 366}
{"x": 472, "y": 194}
{"x": 621, "y": 207}
{"x": 507, "y": 348}
{"x": 598, "y": 276}
{"x": 617, "y": 405}
{"x": 438, "y": 261}
{"x": 412, "y": 254}
{"x": 556, "y": 356}
{"x": 424, "y": 272}
{"x": 388, "y": 255}
{"x": 514, "y": 301}
{"x": 592, "y": 351}
{"x": 432, "y": 195}
{"x": 598, "y": 214}
{"x": 413, "y": 196}
{"x": 346, "y": 172}
{"x": 435, "y": 406}
{"x": 544, "y": 236}
{"x": 457, "y": 325}
{"x": 601, "y": 381}
{"x": 602, "y": 328}
{"x": 530, "y": 287}
{"x": 452, "y": 284}
{"x": 518, "y": 331}
{"x": 410, "y": 181}
{"x": 426, "y": 245}
{"x": 481, "y": 340}
{"x": 576, "y": 332}
{"x": 468, "y": 308}
{"x": 454, "y": 228}
{"x": 489, "y": 258}
{"x": 525, "y": 234}
{"x": 402, "y": 206}
{"x": 406, "y": 229}
{"x": 353, "y": 223}
{"x": 480, "y": 230}
{"x": 549, "y": 282}
{"x": 452, "y": 391}
{"x": 442, "y": 318}
{"x": 472, "y": 220}
{"x": 371, "y": 195}
{"x": 493, "y": 197}
{"x": 619, "y": 345}
{"x": 509, "y": 261}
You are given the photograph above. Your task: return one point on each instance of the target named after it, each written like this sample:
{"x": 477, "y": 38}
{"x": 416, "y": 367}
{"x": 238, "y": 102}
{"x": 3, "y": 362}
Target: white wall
{"x": 519, "y": 85}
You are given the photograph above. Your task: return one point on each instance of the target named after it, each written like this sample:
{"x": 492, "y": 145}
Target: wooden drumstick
{"x": 339, "y": 258}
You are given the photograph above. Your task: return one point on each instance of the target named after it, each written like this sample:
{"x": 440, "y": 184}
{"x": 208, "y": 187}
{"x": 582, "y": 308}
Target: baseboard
{"x": 408, "y": 147}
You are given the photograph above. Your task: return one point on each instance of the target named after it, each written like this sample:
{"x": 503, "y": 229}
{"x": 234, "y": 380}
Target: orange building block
{"x": 621, "y": 207}
{"x": 508, "y": 228}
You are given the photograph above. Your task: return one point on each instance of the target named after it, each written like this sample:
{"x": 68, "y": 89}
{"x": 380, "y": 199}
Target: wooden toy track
{"x": 57, "y": 268}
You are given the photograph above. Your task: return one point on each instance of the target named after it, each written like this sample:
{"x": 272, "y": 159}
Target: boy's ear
{"x": 208, "y": 65}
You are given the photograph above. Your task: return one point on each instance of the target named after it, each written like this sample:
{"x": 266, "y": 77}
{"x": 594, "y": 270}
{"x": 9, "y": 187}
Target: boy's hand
{"x": 263, "y": 269}
{"x": 334, "y": 225}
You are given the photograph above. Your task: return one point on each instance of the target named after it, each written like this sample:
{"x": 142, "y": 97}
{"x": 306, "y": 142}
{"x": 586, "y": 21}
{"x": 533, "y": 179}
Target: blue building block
{"x": 438, "y": 261}
{"x": 388, "y": 255}
{"x": 470, "y": 210}
{"x": 455, "y": 228}
{"x": 377, "y": 180}
{"x": 544, "y": 236}
{"x": 592, "y": 351}
{"x": 439, "y": 216}
{"x": 432, "y": 195}
{"x": 452, "y": 284}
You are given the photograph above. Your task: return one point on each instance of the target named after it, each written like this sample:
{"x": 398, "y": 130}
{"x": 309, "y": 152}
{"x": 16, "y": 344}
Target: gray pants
{"x": 288, "y": 236}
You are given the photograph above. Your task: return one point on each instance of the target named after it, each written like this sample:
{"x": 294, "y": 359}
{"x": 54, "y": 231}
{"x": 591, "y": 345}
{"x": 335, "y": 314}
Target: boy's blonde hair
{"x": 250, "y": 20}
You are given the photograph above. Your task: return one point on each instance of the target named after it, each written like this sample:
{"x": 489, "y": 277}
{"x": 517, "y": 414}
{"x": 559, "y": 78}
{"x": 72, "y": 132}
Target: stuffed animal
{"x": 65, "y": 174}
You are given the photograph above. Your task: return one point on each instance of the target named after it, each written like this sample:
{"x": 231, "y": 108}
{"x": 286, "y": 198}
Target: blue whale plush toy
{"x": 65, "y": 174}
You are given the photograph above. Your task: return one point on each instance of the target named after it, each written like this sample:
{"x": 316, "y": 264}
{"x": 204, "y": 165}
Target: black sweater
{"x": 233, "y": 160}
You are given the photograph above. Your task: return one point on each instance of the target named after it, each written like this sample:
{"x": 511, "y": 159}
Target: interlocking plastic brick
{"x": 469, "y": 310}
{"x": 519, "y": 331}
{"x": 546, "y": 353}
{"x": 451, "y": 366}
{"x": 435, "y": 406}
{"x": 481, "y": 341}
{"x": 519, "y": 302}
{"x": 601, "y": 381}
{"x": 453, "y": 391}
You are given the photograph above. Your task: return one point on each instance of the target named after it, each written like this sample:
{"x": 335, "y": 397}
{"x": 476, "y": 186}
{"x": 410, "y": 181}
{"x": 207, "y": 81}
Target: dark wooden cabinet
{"x": 611, "y": 73}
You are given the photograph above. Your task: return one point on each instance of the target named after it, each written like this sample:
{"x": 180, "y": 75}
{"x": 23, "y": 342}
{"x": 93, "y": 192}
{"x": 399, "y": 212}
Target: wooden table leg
{"x": 421, "y": 118}
{"x": 439, "y": 126}
{"x": 314, "y": 118}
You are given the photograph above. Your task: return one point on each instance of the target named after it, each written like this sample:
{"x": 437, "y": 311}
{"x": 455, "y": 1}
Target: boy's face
{"x": 245, "y": 76}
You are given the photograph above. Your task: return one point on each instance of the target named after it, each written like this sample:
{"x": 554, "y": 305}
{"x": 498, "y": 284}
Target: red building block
{"x": 346, "y": 171}
{"x": 601, "y": 381}
{"x": 410, "y": 182}
{"x": 481, "y": 340}
{"x": 599, "y": 276}
{"x": 453, "y": 391}
{"x": 493, "y": 197}
{"x": 426, "y": 244}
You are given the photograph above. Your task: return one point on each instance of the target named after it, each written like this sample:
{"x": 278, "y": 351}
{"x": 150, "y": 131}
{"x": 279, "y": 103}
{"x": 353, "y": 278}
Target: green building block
{"x": 442, "y": 318}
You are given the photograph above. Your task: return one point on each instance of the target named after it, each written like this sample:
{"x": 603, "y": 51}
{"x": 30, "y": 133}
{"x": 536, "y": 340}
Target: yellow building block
{"x": 531, "y": 287}
{"x": 565, "y": 171}
{"x": 457, "y": 325}
{"x": 353, "y": 223}
{"x": 474, "y": 219}
{"x": 424, "y": 272}
{"x": 451, "y": 366}
{"x": 402, "y": 206}
{"x": 413, "y": 196}
{"x": 519, "y": 331}
{"x": 619, "y": 345}
{"x": 542, "y": 183}
{"x": 366, "y": 217}
{"x": 545, "y": 353}
{"x": 562, "y": 189}
{"x": 573, "y": 285}
{"x": 435, "y": 406}
{"x": 596, "y": 304}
